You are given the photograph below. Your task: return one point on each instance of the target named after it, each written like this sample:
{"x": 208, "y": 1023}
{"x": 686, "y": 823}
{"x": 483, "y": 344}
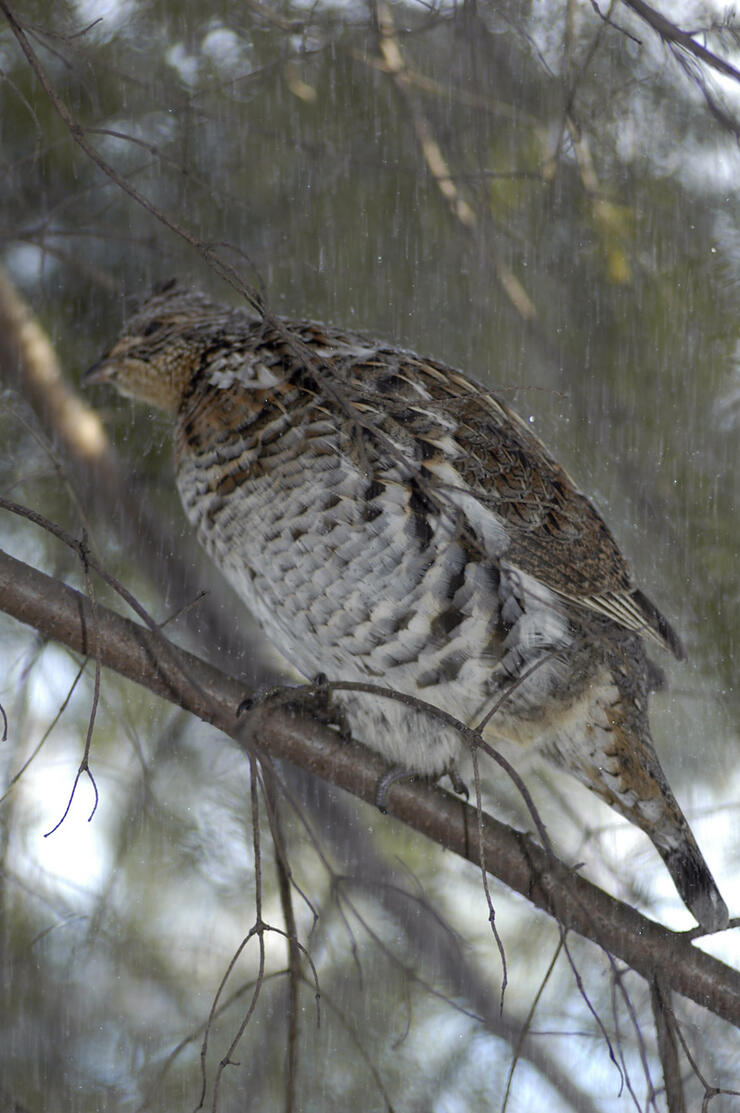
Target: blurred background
{"x": 542, "y": 194}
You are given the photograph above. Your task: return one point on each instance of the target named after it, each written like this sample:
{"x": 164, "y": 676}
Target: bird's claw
{"x": 311, "y": 699}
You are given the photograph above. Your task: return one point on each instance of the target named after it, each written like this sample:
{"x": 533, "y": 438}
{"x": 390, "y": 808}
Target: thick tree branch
{"x": 63, "y": 614}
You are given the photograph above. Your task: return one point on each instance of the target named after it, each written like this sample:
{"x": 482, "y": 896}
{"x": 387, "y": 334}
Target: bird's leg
{"x": 397, "y": 773}
{"x": 458, "y": 784}
{"x": 392, "y": 775}
{"x": 326, "y": 710}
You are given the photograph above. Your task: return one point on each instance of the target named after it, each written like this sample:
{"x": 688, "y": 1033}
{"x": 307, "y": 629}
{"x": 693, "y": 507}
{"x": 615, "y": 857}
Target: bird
{"x": 389, "y": 520}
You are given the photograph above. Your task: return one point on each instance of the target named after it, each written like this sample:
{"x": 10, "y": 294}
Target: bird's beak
{"x": 102, "y": 371}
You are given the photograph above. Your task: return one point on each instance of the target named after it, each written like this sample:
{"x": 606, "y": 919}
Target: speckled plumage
{"x": 388, "y": 519}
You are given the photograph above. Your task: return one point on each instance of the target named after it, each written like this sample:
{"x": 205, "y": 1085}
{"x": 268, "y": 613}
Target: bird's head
{"x": 156, "y": 353}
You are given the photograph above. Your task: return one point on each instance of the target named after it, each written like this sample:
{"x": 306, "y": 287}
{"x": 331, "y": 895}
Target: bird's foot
{"x": 257, "y": 699}
{"x": 313, "y": 700}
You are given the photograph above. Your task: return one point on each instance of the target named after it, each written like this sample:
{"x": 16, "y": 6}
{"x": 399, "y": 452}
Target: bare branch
{"x": 25, "y": 345}
{"x": 284, "y": 879}
{"x": 675, "y": 36}
{"x": 668, "y": 1047}
{"x": 437, "y": 165}
{"x": 430, "y": 935}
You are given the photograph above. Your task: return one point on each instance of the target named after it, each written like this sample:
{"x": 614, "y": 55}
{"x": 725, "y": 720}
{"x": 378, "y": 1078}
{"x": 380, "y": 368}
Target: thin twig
{"x": 667, "y": 1047}
{"x": 484, "y": 879}
{"x": 282, "y": 867}
{"x": 528, "y": 1024}
{"x": 84, "y": 766}
{"x": 259, "y": 929}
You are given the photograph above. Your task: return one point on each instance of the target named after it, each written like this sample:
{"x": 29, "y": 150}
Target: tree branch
{"x": 675, "y": 36}
{"x": 667, "y": 1048}
{"x": 63, "y": 614}
{"x": 436, "y": 163}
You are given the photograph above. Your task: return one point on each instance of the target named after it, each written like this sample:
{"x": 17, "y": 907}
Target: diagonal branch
{"x": 64, "y": 615}
{"x": 676, "y": 36}
{"x": 395, "y": 65}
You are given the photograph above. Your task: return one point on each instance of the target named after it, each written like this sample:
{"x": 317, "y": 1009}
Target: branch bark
{"x": 60, "y": 613}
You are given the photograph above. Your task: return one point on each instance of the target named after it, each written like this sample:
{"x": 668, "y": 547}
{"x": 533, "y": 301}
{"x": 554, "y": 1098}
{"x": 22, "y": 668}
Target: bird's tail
{"x": 661, "y": 818}
{"x": 692, "y": 878}
{"x": 623, "y": 769}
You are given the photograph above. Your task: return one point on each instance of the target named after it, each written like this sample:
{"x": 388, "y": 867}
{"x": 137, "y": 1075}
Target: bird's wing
{"x": 487, "y": 461}
{"x": 465, "y": 447}
{"x": 556, "y": 533}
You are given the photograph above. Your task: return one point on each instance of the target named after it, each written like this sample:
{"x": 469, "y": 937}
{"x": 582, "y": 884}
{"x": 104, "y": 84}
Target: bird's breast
{"x": 355, "y": 569}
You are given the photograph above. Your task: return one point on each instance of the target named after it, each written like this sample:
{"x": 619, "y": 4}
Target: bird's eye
{"x": 151, "y": 328}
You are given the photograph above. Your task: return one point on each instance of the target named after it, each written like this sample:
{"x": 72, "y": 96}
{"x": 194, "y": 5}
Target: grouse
{"x": 388, "y": 519}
